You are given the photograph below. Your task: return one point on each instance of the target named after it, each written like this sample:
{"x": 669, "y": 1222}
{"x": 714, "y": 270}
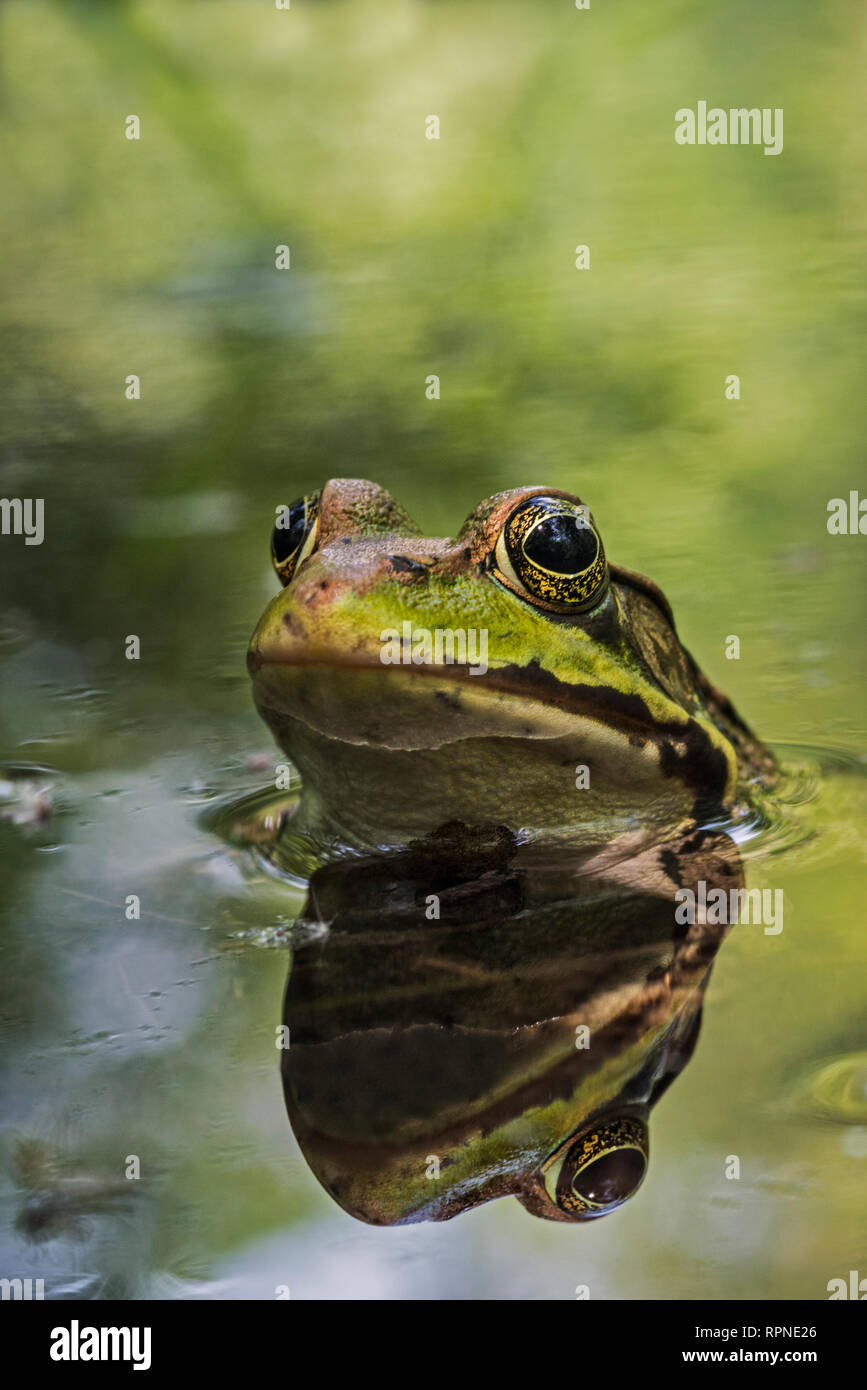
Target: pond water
{"x": 154, "y": 1037}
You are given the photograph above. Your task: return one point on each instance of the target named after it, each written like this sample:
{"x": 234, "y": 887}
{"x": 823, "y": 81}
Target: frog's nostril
{"x": 405, "y": 564}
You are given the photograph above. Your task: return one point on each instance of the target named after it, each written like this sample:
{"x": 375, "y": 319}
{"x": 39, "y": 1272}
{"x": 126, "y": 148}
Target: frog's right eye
{"x": 550, "y": 554}
{"x": 294, "y": 536}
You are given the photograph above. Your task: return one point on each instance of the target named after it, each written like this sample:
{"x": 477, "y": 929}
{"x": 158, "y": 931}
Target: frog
{"x": 512, "y": 674}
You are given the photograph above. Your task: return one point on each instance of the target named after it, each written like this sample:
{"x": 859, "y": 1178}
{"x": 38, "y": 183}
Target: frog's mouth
{"x": 357, "y": 700}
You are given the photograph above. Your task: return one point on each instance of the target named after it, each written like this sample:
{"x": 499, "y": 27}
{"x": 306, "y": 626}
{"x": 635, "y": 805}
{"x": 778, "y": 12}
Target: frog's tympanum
{"x": 512, "y": 768}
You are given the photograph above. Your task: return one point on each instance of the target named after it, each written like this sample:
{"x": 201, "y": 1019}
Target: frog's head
{"x": 484, "y": 671}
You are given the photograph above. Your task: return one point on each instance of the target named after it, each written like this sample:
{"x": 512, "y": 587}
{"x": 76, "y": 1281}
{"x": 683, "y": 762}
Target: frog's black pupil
{"x": 612, "y": 1178}
{"x": 288, "y": 537}
{"x": 564, "y": 544}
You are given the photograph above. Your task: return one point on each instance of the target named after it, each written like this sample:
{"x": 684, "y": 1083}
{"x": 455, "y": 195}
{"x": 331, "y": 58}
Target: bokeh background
{"x": 409, "y": 257}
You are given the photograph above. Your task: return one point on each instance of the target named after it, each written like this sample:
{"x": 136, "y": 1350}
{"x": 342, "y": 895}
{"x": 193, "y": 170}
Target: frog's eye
{"x": 592, "y": 1174}
{"x": 294, "y": 535}
{"x": 550, "y": 552}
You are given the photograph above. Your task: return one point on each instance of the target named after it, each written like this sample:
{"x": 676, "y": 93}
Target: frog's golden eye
{"x": 294, "y": 535}
{"x": 550, "y": 552}
{"x": 592, "y": 1174}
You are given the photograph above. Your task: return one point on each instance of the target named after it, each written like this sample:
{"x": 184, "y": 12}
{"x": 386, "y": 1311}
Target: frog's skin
{"x": 582, "y": 671}
{"x": 436, "y": 1064}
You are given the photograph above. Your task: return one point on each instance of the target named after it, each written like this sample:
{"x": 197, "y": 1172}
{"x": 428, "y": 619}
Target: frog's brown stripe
{"x": 701, "y": 766}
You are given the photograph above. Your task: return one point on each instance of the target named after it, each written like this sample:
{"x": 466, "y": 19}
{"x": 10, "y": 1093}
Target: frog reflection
{"x": 513, "y": 1044}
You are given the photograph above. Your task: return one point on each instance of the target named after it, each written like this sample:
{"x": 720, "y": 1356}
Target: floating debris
{"x": 27, "y": 794}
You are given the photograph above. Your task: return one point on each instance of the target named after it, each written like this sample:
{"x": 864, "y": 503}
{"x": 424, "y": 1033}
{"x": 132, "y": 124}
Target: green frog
{"x": 511, "y": 770}
{"x": 513, "y": 675}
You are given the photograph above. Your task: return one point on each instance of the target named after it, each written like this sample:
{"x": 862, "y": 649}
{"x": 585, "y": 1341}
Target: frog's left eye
{"x": 550, "y": 552}
{"x": 294, "y": 535}
{"x": 592, "y": 1174}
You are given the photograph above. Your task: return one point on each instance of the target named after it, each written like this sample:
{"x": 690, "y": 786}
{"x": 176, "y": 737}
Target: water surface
{"x": 156, "y": 1037}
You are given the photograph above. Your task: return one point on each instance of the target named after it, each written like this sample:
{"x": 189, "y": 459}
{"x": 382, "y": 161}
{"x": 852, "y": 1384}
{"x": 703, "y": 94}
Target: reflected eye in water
{"x": 597, "y": 1170}
{"x": 294, "y": 536}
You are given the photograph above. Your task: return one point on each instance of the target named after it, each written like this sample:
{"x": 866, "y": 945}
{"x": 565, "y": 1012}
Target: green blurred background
{"x": 410, "y": 257}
